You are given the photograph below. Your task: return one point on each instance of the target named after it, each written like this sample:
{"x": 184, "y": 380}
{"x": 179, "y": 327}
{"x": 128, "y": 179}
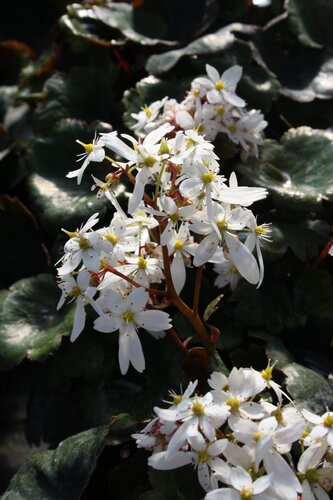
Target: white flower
{"x": 155, "y": 436}
{"x": 284, "y": 480}
{"x": 205, "y": 456}
{"x": 227, "y": 275}
{"x": 241, "y": 386}
{"x": 93, "y": 152}
{"x": 143, "y": 270}
{"x": 266, "y": 433}
{"x": 127, "y": 314}
{"x": 169, "y": 210}
{"x": 200, "y": 414}
{"x": 244, "y": 487}
{"x": 107, "y": 189}
{"x": 323, "y": 426}
{"x": 253, "y": 241}
{"x": 83, "y": 245}
{"x": 218, "y": 230}
{"x": 182, "y": 247}
{"x": 118, "y": 239}
{"x": 80, "y": 291}
{"x": 146, "y": 157}
{"x": 145, "y": 119}
{"x": 308, "y": 466}
{"x": 222, "y": 87}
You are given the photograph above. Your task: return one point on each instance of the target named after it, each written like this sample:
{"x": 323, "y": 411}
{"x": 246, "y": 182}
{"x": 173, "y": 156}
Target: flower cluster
{"x": 241, "y": 445}
{"x": 211, "y": 107}
{"x": 182, "y": 213}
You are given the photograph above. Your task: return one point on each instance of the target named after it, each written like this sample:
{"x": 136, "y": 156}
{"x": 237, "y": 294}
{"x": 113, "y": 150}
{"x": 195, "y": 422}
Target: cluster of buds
{"x": 211, "y": 107}
{"x": 241, "y": 445}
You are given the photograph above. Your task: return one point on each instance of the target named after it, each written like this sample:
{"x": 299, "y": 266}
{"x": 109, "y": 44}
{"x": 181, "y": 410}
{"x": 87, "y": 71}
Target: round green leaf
{"x": 30, "y": 325}
{"x": 312, "y": 21}
{"x": 298, "y": 172}
{"x": 84, "y": 93}
{"x": 59, "y": 200}
{"x": 308, "y": 388}
{"x": 140, "y": 26}
{"x": 63, "y": 473}
{"x": 207, "y": 45}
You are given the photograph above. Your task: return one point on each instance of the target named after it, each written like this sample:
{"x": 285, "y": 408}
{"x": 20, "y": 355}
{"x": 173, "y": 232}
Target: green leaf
{"x": 304, "y": 237}
{"x": 59, "y": 200}
{"x": 308, "y": 388}
{"x": 311, "y": 84}
{"x": 298, "y": 171}
{"x": 311, "y": 21}
{"x": 84, "y": 93}
{"x": 222, "y": 50}
{"x": 259, "y": 87}
{"x": 22, "y": 252}
{"x": 212, "y": 307}
{"x": 207, "y": 45}
{"x": 281, "y": 53}
{"x": 138, "y": 25}
{"x": 270, "y": 305}
{"x": 30, "y": 326}
{"x": 178, "y": 484}
{"x": 81, "y": 386}
{"x": 314, "y": 293}
{"x": 63, "y": 473}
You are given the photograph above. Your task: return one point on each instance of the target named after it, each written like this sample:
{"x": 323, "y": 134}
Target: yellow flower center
{"x": 257, "y": 436}
{"x": 87, "y": 147}
{"x": 203, "y": 456}
{"x": 198, "y": 408}
{"x": 220, "y": 111}
{"x": 245, "y": 494}
{"x": 190, "y": 143}
{"x": 76, "y": 291}
{"x": 278, "y": 415}
{"x": 233, "y": 270}
{"x": 176, "y": 399}
{"x": 196, "y": 92}
{"x": 84, "y": 243}
{"x": 147, "y": 111}
{"x": 112, "y": 238}
{"x": 234, "y": 403}
{"x": 208, "y": 177}
{"x": 219, "y": 85}
{"x": 312, "y": 476}
{"x": 233, "y": 129}
{"x": 174, "y": 217}
{"x": 128, "y": 316}
{"x": 222, "y": 224}
{"x": 164, "y": 148}
{"x": 71, "y": 234}
{"x": 267, "y": 373}
{"x": 142, "y": 263}
{"x": 328, "y": 421}
{"x": 149, "y": 161}
{"x": 261, "y": 230}
{"x": 178, "y": 245}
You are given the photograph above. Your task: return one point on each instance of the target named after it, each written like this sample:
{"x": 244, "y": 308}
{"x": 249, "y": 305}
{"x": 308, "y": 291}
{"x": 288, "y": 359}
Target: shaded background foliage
{"x": 86, "y": 67}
